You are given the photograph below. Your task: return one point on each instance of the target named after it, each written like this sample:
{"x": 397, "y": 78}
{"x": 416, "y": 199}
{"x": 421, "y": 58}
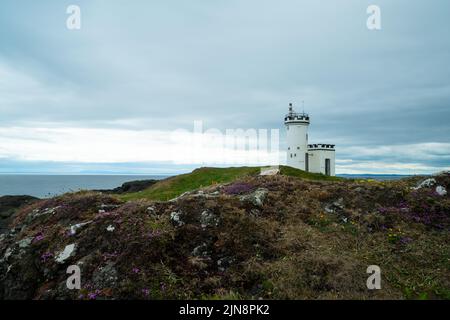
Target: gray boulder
{"x": 440, "y": 190}
{"x": 427, "y": 183}
{"x": 256, "y": 198}
{"x": 175, "y": 217}
{"x": 336, "y": 206}
{"x": 68, "y": 252}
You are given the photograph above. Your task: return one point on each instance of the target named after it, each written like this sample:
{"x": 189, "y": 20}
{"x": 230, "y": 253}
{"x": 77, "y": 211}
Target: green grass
{"x": 173, "y": 187}
{"x": 292, "y": 172}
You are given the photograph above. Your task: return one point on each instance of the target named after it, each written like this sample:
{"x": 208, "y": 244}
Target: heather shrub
{"x": 238, "y": 188}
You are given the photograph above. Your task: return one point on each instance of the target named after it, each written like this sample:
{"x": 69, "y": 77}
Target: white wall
{"x": 297, "y": 144}
{"x": 317, "y": 161}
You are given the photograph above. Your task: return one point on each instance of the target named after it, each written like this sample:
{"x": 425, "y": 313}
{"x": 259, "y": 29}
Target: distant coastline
{"x": 49, "y": 185}
{"x": 375, "y": 176}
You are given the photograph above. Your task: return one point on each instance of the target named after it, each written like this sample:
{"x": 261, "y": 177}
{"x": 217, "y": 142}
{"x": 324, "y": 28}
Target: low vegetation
{"x": 235, "y": 235}
{"x": 175, "y": 186}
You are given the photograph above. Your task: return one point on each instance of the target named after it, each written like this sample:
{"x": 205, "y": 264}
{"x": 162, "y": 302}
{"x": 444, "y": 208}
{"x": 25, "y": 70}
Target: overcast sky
{"x": 108, "y": 97}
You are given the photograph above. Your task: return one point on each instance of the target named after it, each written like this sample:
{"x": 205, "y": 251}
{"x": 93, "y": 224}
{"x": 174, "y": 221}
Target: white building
{"x": 318, "y": 158}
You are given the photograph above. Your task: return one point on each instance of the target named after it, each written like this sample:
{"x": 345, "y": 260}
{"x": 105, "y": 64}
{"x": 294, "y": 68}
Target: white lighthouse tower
{"x": 317, "y": 158}
{"x": 297, "y": 139}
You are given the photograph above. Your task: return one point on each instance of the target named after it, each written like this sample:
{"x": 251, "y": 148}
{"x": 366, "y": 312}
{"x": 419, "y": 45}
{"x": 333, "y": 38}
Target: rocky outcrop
{"x": 262, "y": 237}
{"x": 9, "y": 206}
{"x": 425, "y": 184}
{"x": 131, "y": 186}
{"x": 256, "y": 198}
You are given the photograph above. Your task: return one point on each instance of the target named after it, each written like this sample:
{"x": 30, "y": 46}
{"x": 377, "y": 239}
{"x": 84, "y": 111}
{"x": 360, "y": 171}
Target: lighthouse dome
{"x": 293, "y": 117}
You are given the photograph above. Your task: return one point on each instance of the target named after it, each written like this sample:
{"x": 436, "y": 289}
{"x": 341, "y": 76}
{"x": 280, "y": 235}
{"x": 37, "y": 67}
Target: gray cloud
{"x": 160, "y": 65}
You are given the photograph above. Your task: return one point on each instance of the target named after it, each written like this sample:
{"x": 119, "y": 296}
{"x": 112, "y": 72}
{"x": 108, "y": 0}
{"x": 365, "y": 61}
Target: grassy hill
{"x": 173, "y": 187}
{"x": 243, "y": 236}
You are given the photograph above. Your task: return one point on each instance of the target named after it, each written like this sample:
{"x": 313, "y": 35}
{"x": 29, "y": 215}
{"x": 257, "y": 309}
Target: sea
{"x": 46, "y": 186}
{"x": 380, "y": 177}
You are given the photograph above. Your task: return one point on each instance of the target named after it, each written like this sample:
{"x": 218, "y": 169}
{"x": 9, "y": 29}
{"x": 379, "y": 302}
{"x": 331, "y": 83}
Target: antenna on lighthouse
{"x": 303, "y": 106}
{"x": 290, "y": 108}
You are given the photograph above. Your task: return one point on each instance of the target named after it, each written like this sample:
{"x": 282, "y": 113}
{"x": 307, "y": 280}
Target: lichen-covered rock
{"x": 73, "y": 228}
{"x": 427, "y": 183}
{"x": 175, "y": 217}
{"x": 336, "y": 206}
{"x": 105, "y": 276}
{"x": 256, "y": 198}
{"x": 25, "y": 243}
{"x": 440, "y": 190}
{"x": 208, "y": 219}
{"x": 7, "y": 254}
{"x": 46, "y": 211}
{"x": 68, "y": 252}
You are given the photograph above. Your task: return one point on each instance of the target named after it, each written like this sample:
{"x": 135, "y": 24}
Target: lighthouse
{"x": 297, "y": 125}
{"x": 317, "y": 158}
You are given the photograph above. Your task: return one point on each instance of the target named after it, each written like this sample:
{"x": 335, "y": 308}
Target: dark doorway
{"x": 327, "y": 167}
{"x": 306, "y": 162}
